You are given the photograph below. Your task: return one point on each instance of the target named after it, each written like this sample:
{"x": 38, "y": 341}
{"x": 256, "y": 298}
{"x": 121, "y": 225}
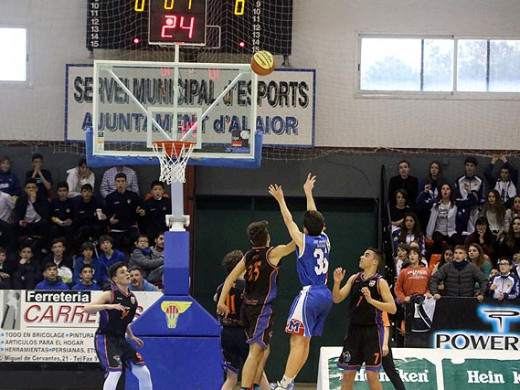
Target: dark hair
{"x": 58, "y": 239}
{"x": 258, "y": 233}
{"x": 401, "y": 191}
{"x": 404, "y": 161}
{"x": 472, "y": 160}
{"x": 416, "y": 250}
{"x": 377, "y": 253}
{"x": 135, "y": 268}
{"x": 313, "y": 221}
{"x": 156, "y": 183}
{"x": 506, "y": 259}
{"x": 36, "y": 155}
{"x": 416, "y": 231}
{"x": 158, "y": 234}
{"x": 463, "y": 247}
{"x": 112, "y": 270}
{"x": 4, "y": 158}
{"x": 86, "y": 245}
{"x": 62, "y": 184}
{"x": 86, "y": 266}
{"x": 50, "y": 265}
{"x": 498, "y": 207}
{"x": 31, "y": 180}
{"x": 429, "y": 178}
{"x": 443, "y": 261}
{"x": 2, "y": 250}
{"x": 510, "y": 237}
{"x": 452, "y": 195}
{"x": 82, "y": 161}
{"x": 231, "y": 259}
{"x": 120, "y": 175}
{"x": 87, "y": 186}
{"x": 106, "y": 237}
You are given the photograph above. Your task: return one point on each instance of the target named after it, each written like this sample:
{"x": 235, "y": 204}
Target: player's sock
{"x": 143, "y": 376}
{"x": 286, "y": 381}
{"x": 111, "y": 380}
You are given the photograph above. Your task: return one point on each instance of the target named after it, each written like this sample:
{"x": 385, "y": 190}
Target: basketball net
{"x": 173, "y": 157}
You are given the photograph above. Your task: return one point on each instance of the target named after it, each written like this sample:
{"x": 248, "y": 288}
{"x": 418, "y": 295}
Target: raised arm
{"x": 102, "y": 303}
{"x": 339, "y": 294}
{"x": 228, "y": 283}
{"x": 280, "y": 251}
{"x": 307, "y": 188}
{"x": 277, "y": 192}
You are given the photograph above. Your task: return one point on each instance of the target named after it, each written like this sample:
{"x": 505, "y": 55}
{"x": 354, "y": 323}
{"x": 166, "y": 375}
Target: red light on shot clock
{"x": 136, "y": 40}
{"x": 242, "y": 44}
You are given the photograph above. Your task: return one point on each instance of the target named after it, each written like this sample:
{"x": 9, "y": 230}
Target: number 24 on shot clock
{"x": 177, "y": 22}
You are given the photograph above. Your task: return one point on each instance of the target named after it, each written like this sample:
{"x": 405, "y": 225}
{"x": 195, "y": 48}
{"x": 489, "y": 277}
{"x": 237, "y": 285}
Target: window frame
{"x": 28, "y": 57}
{"x": 418, "y": 95}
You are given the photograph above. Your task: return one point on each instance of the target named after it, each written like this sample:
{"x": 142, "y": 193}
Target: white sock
{"x": 286, "y": 381}
{"x": 111, "y": 380}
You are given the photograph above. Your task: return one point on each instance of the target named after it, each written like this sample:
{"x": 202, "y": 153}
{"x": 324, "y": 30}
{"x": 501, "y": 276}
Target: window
{"x": 13, "y": 48}
{"x": 403, "y": 64}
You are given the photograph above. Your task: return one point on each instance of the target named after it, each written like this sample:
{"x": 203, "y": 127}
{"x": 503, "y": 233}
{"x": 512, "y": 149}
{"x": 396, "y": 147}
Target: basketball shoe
{"x": 278, "y": 386}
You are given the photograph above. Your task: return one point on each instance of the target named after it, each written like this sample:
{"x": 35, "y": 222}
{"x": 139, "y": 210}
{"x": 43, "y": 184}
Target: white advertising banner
{"x": 50, "y": 326}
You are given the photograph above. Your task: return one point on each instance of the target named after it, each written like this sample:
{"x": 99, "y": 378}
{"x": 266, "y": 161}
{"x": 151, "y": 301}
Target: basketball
{"x": 262, "y": 63}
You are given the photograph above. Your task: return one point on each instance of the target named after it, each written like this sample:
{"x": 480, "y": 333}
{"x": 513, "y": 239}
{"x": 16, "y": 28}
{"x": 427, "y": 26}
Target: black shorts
{"x": 258, "y": 324}
{"x": 114, "y": 352}
{"x": 234, "y": 347}
{"x": 363, "y": 344}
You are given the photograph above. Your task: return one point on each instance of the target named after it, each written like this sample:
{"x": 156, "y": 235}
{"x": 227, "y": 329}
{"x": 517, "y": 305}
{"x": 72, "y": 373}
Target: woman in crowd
{"x": 495, "y": 213}
{"x": 431, "y": 186}
{"x": 477, "y": 256}
{"x": 510, "y": 246}
{"x": 410, "y": 230}
{"x": 482, "y": 236}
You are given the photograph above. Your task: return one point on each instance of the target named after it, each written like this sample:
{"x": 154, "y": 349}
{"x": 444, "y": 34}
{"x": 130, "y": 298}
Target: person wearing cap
{"x": 42, "y": 176}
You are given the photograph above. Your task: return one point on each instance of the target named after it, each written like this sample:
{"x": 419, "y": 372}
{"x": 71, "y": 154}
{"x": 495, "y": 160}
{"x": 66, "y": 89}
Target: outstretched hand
{"x": 309, "y": 183}
{"x": 339, "y": 274}
{"x": 276, "y": 191}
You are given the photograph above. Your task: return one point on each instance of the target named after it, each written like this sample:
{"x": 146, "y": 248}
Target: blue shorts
{"x": 309, "y": 311}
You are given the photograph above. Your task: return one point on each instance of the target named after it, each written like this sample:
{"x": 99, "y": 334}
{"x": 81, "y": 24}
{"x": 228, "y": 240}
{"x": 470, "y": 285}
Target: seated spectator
{"x": 42, "y": 177}
{"x": 505, "y": 183}
{"x": 51, "y": 279}
{"x": 28, "y": 272}
{"x": 31, "y": 213}
{"x": 89, "y": 220}
{"x": 459, "y": 277}
{"x": 145, "y": 258}
{"x": 138, "y": 283}
{"x": 448, "y": 218}
{"x": 109, "y": 255}
{"x": 422, "y": 259}
{"x": 504, "y": 285}
{"x": 431, "y": 185}
{"x": 62, "y": 215}
{"x": 9, "y": 183}
{"x": 404, "y": 181}
{"x": 477, "y": 256}
{"x": 495, "y": 213}
{"x": 401, "y": 258}
{"x": 510, "y": 246}
{"x": 60, "y": 259}
{"x": 446, "y": 257}
{"x": 467, "y": 184}
{"x": 413, "y": 280}
{"x": 156, "y": 208}
{"x": 156, "y": 274}
{"x": 514, "y": 210}
{"x": 88, "y": 257}
{"x": 398, "y": 208}
{"x": 108, "y": 183}
{"x": 6, "y": 270}
{"x": 482, "y": 236}
{"x": 7, "y": 234}
{"x": 87, "y": 279}
{"x": 78, "y": 177}
{"x": 410, "y": 230}
{"x": 122, "y": 208}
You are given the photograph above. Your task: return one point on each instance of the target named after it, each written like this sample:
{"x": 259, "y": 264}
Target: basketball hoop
{"x": 173, "y": 157}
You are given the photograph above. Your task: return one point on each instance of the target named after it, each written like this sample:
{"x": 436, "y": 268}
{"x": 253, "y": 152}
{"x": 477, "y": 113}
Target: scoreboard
{"x": 228, "y": 26}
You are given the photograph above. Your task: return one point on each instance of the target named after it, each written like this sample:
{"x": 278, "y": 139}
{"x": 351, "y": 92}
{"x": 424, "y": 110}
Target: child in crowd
{"x": 6, "y": 271}
{"x": 156, "y": 209}
{"x": 88, "y": 257}
{"x": 146, "y": 258}
{"x": 9, "y": 182}
{"x": 62, "y": 260}
{"x": 401, "y": 257}
{"x": 51, "y": 280}
{"x": 87, "y": 279}
{"x": 110, "y": 255}
{"x": 27, "y": 273}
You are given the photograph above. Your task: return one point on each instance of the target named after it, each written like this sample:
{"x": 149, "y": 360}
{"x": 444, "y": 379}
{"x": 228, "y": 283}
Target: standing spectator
{"x": 62, "y": 215}
{"x": 42, "y": 177}
{"x": 431, "y": 187}
{"x": 87, "y": 282}
{"x": 409, "y": 231}
{"x": 122, "y": 208}
{"x": 79, "y": 176}
{"x": 6, "y": 270}
{"x": 88, "y": 257}
{"x": 110, "y": 255}
{"x": 510, "y": 246}
{"x": 28, "y": 272}
{"x": 483, "y": 236}
{"x": 9, "y": 183}
{"x": 465, "y": 185}
{"x": 401, "y": 259}
{"x": 398, "y": 209}
{"x": 62, "y": 260}
{"x": 156, "y": 209}
{"x": 514, "y": 210}
{"x": 504, "y": 285}
{"x": 459, "y": 277}
{"x": 405, "y": 182}
{"x": 51, "y": 281}
{"x": 108, "y": 183}
{"x": 477, "y": 256}
{"x": 495, "y": 213}
{"x": 505, "y": 183}
{"x": 446, "y": 257}
{"x": 138, "y": 283}
{"x": 7, "y": 235}
{"x": 88, "y": 225}
{"x": 413, "y": 280}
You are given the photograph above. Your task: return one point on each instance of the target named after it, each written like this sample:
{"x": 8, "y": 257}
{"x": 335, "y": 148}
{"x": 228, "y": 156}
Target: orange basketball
{"x": 262, "y": 63}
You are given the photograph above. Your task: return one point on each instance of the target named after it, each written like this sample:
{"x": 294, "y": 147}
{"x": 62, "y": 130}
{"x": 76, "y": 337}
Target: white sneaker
{"x": 278, "y": 386}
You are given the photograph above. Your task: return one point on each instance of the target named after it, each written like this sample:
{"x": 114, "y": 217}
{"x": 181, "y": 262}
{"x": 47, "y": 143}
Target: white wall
{"x": 325, "y": 37}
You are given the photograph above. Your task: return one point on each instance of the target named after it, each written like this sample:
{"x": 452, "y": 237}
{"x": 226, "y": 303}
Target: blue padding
{"x": 176, "y": 263}
{"x": 96, "y": 161}
{"x": 193, "y": 321}
{"x": 181, "y": 363}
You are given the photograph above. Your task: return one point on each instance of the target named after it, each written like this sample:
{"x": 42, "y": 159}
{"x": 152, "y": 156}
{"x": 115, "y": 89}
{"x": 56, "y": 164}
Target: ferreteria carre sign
{"x": 435, "y": 369}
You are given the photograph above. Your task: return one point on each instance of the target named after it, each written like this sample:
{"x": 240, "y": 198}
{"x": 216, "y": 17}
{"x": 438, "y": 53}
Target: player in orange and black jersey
{"x": 260, "y": 266}
{"x": 116, "y": 309}
{"x": 370, "y": 296}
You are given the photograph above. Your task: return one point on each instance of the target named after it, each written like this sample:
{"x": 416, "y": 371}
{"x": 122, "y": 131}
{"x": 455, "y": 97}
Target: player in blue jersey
{"x": 370, "y": 296}
{"x": 116, "y": 309}
{"x": 312, "y": 305}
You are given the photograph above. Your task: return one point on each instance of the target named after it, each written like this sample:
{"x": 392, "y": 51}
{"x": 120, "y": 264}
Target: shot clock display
{"x": 227, "y": 26}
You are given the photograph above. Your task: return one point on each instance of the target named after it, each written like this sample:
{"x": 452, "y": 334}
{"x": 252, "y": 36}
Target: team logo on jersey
{"x": 132, "y": 299}
{"x": 295, "y": 327}
{"x": 172, "y": 310}
{"x": 372, "y": 283}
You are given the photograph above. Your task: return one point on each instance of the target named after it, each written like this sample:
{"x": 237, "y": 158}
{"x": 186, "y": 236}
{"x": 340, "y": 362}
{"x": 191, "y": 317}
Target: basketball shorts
{"x": 114, "y": 352}
{"x": 363, "y": 344}
{"x": 309, "y": 311}
{"x": 234, "y": 347}
{"x": 258, "y": 324}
